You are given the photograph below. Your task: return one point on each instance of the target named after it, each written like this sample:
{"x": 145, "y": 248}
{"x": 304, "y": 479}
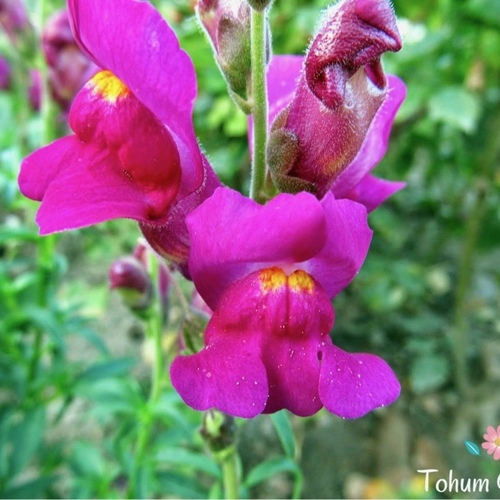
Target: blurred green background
{"x": 74, "y": 362}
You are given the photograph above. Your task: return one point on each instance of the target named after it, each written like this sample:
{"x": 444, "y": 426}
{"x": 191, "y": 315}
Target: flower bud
{"x": 340, "y": 90}
{"x": 227, "y": 25}
{"x": 218, "y": 430}
{"x": 129, "y": 276}
{"x": 69, "y": 68}
{"x": 13, "y": 18}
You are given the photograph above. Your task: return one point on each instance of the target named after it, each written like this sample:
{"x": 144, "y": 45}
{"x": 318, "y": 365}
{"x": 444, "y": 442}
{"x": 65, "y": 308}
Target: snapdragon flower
{"x": 333, "y": 109}
{"x": 134, "y": 153}
{"x": 268, "y": 273}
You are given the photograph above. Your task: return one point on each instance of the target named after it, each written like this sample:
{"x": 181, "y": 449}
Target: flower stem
{"x": 259, "y": 91}
{"x": 154, "y": 329}
{"x": 229, "y": 464}
{"x": 46, "y": 245}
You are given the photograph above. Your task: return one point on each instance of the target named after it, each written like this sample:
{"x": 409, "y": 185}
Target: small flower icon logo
{"x": 492, "y": 443}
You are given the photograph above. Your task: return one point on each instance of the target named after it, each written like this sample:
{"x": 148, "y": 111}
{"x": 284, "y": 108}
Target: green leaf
{"x": 472, "y": 448}
{"x": 487, "y": 11}
{"x": 17, "y": 234}
{"x": 271, "y": 467}
{"x": 283, "y": 426}
{"x": 176, "y": 485}
{"x": 428, "y": 373}
{"x": 456, "y": 107}
{"x": 196, "y": 461}
{"x": 107, "y": 369}
{"x": 34, "y": 488}
{"x": 5, "y": 416}
{"x": 113, "y": 396}
{"x": 26, "y": 436}
{"x": 86, "y": 461}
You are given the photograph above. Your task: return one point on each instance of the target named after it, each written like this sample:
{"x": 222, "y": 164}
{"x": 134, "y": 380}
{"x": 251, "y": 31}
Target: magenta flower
{"x": 14, "y": 19}
{"x": 268, "y": 273}
{"x": 332, "y": 127}
{"x": 492, "y": 443}
{"x": 134, "y": 153}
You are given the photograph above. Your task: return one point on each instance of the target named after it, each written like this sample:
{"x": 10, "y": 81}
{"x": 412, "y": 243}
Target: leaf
{"x": 196, "y": 461}
{"x": 86, "y": 461}
{"x": 428, "y": 373}
{"x": 283, "y": 426}
{"x": 179, "y": 486}
{"x": 457, "y": 107}
{"x": 113, "y": 396}
{"x": 487, "y": 11}
{"x": 25, "y": 438}
{"x": 34, "y": 488}
{"x": 472, "y": 448}
{"x": 271, "y": 467}
{"x": 107, "y": 369}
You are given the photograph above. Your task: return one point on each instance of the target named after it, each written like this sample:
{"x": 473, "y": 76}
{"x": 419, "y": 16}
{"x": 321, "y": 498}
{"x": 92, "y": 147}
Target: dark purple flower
{"x": 268, "y": 273}
{"x": 321, "y": 127}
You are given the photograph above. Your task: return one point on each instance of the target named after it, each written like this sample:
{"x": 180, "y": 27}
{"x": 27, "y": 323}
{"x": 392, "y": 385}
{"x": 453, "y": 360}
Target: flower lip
{"x": 355, "y": 33}
{"x": 267, "y": 348}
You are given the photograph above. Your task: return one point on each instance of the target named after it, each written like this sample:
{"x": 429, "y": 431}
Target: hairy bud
{"x": 340, "y": 90}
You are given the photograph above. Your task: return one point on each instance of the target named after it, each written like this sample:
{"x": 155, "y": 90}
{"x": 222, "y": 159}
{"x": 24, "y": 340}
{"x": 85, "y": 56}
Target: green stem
{"x": 154, "y": 329}
{"x": 464, "y": 278}
{"x": 259, "y": 94}
{"x": 229, "y": 464}
{"x": 45, "y": 269}
{"x": 486, "y": 163}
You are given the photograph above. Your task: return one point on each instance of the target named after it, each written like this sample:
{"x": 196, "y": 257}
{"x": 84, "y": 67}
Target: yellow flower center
{"x": 274, "y": 278}
{"x": 497, "y": 441}
{"x": 108, "y": 86}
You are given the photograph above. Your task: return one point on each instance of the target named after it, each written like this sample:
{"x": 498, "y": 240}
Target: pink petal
{"x": 496, "y": 455}
{"x": 171, "y": 238}
{"x": 376, "y": 141}
{"x": 283, "y": 74}
{"x": 352, "y": 385}
{"x": 231, "y": 236}
{"x": 131, "y": 39}
{"x": 292, "y": 369}
{"x": 372, "y": 191}
{"x": 40, "y": 168}
{"x": 94, "y": 192}
{"x": 227, "y": 375}
{"x": 490, "y": 447}
{"x": 349, "y": 238}
{"x": 491, "y": 434}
